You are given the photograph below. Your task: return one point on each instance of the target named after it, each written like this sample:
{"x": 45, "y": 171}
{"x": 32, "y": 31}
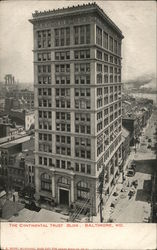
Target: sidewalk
{"x": 107, "y": 210}
{"x": 124, "y": 205}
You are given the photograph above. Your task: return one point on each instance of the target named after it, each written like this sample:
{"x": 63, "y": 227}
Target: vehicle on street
{"x": 149, "y": 140}
{"x": 130, "y": 172}
{"x": 131, "y": 192}
{"x": 135, "y": 183}
{"x": 31, "y": 206}
{"x": 115, "y": 194}
{"x": 132, "y": 165}
{"x": 149, "y": 146}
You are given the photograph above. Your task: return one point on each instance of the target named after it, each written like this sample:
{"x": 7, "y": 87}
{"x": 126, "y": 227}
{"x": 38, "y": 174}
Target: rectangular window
{"x": 77, "y": 167}
{"x": 111, "y": 43}
{"x": 105, "y": 40}
{"x": 83, "y": 168}
{"x": 58, "y": 163}
{"x": 88, "y": 169}
{"x": 98, "y": 36}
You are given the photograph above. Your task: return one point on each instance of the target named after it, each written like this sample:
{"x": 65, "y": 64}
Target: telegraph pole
{"x": 100, "y": 189}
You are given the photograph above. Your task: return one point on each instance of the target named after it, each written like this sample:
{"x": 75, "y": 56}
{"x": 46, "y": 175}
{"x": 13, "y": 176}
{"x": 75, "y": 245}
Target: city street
{"x": 123, "y": 208}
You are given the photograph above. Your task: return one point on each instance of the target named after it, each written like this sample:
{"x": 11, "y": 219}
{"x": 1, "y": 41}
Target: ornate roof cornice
{"x": 74, "y": 10}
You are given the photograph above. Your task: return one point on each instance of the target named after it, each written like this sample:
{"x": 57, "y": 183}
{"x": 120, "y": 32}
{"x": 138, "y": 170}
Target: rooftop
{"x": 15, "y": 142}
{"x": 73, "y": 10}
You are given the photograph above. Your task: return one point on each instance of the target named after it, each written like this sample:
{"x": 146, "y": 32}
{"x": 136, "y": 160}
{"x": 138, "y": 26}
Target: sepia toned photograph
{"x": 78, "y": 112}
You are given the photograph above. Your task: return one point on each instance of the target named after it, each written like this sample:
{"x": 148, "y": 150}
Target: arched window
{"x": 46, "y": 183}
{"x": 64, "y": 180}
{"x": 83, "y": 191}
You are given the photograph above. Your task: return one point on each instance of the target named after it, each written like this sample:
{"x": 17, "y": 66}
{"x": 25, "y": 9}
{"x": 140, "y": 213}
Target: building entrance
{"x": 64, "y": 197}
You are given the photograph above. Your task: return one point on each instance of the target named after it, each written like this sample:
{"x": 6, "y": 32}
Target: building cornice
{"x": 73, "y": 11}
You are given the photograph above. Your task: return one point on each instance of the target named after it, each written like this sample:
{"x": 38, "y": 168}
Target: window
{"x": 105, "y": 57}
{"x": 115, "y": 47}
{"x": 76, "y": 167}
{"x": 40, "y": 160}
{"x": 58, "y": 163}
{"x": 105, "y": 69}
{"x": 50, "y": 162}
{"x": 46, "y": 183}
{"x": 111, "y": 43}
{"x": 98, "y": 36}
{"x": 82, "y": 191}
{"x": 43, "y": 38}
{"x": 88, "y": 169}
{"x": 82, "y": 34}
{"x": 82, "y": 54}
{"x": 99, "y": 54}
{"x": 62, "y": 37}
{"x": 83, "y": 168}
{"x": 105, "y": 40}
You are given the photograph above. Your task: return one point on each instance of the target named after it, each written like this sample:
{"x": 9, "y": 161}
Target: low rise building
{"x": 12, "y": 163}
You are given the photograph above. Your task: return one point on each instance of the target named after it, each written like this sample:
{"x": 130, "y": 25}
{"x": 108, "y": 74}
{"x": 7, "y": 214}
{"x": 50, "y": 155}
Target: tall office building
{"x": 77, "y": 80}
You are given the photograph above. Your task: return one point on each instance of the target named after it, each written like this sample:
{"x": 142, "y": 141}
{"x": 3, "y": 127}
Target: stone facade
{"x": 77, "y": 76}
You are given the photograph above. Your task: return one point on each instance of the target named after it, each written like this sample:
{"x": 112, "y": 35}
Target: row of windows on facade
{"x": 64, "y": 55}
{"x": 106, "y": 100}
{"x": 108, "y": 69}
{"x": 82, "y": 79}
{"x": 81, "y": 153}
{"x": 109, "y": 151}
{"x": 108, "y": 79}
{"x": 64, "y": 164}
{"x": 64, "y": 68}
{"x": 62, "y": 103}
{"x": 83, "y": 129}
{"x": 108, "y": 42}
{"x": 62, "y": 150}
{"x": 64, "y": 79}
{"x": 79, "y": 55}
{"x": 102, "y": 144}
{"x": 64, "y": 92}
{"x": 104, "y": 123}
{"x": 81, "y": 35}
{"x": 108, "y": 90}
{"x": 106, "y": 57}
{"x": 65, "y": 150}
{"x": 111, "y": 117}
{"x": 62, "y": 36}
{"x": 65, "y": 139}
{"x": 82, "y": 117}
{"x": 107, "y": 111}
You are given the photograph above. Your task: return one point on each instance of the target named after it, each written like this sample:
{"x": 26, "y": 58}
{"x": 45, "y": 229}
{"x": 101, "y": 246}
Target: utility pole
{"x": 100, "y": 190}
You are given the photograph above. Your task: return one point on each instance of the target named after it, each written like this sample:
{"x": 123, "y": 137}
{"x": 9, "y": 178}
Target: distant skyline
{"x": 136, "y": 19}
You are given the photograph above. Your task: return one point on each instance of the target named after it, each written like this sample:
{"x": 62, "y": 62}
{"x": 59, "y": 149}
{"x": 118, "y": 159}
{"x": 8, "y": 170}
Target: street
{"x": 122, "y": 208}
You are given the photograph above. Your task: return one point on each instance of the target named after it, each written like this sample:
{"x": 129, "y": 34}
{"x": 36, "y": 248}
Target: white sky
{"x": 136, "y": 19}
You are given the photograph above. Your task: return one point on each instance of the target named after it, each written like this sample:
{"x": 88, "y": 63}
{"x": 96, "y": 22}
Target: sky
{"x": 136, "y": 19}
